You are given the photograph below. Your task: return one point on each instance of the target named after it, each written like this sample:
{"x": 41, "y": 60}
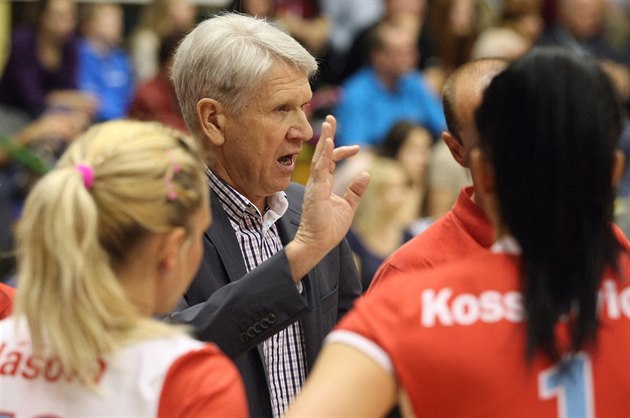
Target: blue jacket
{"x": 108, "y": 77}
{"x": 367, "y": 110}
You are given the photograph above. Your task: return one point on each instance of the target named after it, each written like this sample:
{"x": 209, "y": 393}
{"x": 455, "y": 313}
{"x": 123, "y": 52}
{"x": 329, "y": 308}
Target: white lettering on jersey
{"x": 441, "y": 307}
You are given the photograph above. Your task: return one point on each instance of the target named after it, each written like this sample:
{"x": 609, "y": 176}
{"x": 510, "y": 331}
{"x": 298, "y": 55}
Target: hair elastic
{"x": 87, "y": 173}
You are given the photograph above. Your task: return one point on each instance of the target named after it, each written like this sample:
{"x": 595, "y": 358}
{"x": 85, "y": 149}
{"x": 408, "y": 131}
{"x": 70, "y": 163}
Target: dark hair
{"x": 396, "y": 137}
{"x": 168, "y": 46}
{"x": 550, "y": 126}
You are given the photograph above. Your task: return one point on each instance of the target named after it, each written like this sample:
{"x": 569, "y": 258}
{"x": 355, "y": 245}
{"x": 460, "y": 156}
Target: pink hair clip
{"x": 171, "y": 194}
{"x": 176, "y": 166}
{"x": 87, "y": 173}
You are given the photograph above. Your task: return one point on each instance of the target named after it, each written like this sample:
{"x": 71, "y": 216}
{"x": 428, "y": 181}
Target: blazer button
{"x": 244, "y": 338}
{"x": 271, "y": 317}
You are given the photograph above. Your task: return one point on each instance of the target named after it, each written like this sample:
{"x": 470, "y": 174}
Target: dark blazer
{"x": 239, "y": 310}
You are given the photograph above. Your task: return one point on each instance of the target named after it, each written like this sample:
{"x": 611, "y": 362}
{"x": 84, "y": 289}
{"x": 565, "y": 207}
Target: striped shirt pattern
{"x": 258, "y": 238}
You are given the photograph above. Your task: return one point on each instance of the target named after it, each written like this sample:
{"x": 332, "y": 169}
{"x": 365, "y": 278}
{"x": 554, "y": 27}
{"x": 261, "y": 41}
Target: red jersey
{"x": 454, "y": 337}
{"x": 462, "y": 231}
{"x": 7, "y": 295}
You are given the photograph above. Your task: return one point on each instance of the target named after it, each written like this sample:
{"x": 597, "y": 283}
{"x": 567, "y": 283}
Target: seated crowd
{"x": 250, "y": 170}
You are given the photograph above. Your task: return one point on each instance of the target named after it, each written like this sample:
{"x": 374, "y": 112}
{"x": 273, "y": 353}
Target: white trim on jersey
{"x": 506, "y": 244}
{"x": 366, "y": 346}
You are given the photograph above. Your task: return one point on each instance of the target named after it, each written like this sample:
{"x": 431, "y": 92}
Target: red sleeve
{"x": 7, "y": 294}
{"x": 203, "y": 383}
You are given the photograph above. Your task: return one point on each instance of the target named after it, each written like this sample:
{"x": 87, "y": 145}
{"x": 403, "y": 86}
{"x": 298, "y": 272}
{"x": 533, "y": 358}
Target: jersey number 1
{"x": 572, "y": 384}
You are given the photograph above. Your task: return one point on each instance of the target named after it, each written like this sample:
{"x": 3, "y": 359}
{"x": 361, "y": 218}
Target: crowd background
{"x": 66, "y": 65}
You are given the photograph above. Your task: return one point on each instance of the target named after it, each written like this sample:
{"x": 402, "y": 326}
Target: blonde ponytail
{"x": 146, "y": 179}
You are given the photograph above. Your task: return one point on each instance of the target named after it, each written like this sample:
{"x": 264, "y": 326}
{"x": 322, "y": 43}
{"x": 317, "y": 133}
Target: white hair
{"x": 226, "y": 57}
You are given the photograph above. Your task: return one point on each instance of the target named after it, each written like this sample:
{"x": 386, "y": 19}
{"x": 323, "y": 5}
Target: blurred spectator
{"x": 412, "y": 13}
{"x": 524, "y": 17}
{"x": 501, "y": 42}
{"x": 580, "y": 28}
{"x": 617, "y": 24}
{"x": 454, "y": 26}
{"x": 41, "y": 71}
{"x": 446, "y": 178}
{"x": 259, "y": 8}
{"x": 155, "y": 99}
{"x": 519, "y": 26}
{"x": 159, "y": 18}
{"x": 104, "y": 68}
{"x": 380, "y": 224}
{"x": 410, "y": 144}
{"x": 387, "y": 90}
{"x": 26, "y": 153}
{"x": 304, "y": 21}
{"x": 347, "y": 19}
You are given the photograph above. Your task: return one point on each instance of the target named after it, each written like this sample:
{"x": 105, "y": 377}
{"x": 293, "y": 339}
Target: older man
{"x": 276, "y": 274}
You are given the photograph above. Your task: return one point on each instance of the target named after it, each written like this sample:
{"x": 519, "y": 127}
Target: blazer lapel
{"x": 288, "y": 225}
{"x": 222, "y": 236}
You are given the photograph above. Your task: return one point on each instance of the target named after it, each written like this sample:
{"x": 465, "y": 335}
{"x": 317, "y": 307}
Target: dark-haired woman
{"x": 541, "y": 325}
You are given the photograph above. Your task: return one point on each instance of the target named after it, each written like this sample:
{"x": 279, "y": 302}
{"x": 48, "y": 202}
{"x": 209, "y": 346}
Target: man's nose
{"x": 301, "y": 128}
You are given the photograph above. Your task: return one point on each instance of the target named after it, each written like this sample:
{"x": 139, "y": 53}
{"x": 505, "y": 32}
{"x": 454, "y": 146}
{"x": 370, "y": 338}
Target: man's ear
{"x": 211, "y": 115}
{"x": 171, "y": 250}
{"x": 619, "y": 167}
{"x": 457, "y": 149}
{"x": 482, "y": 173}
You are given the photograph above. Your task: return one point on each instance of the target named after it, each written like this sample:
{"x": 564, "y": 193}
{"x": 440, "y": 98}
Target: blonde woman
{"x": 109, "y": 238}
{"x": 382, "y": 218}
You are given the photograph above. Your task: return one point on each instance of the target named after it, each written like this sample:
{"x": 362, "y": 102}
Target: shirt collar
{"x": 473, "y": 218}
{"x": 237, "y": 205}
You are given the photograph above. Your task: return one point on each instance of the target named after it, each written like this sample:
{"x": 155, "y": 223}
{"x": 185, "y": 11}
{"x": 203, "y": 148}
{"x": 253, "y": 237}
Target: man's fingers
{"x": 341, "y": 153}
{"x": 356, "y": 189}
{"x": 319, "y": 147}
{"x": 330, "y": 119}
{"x": 322, "y": 157}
